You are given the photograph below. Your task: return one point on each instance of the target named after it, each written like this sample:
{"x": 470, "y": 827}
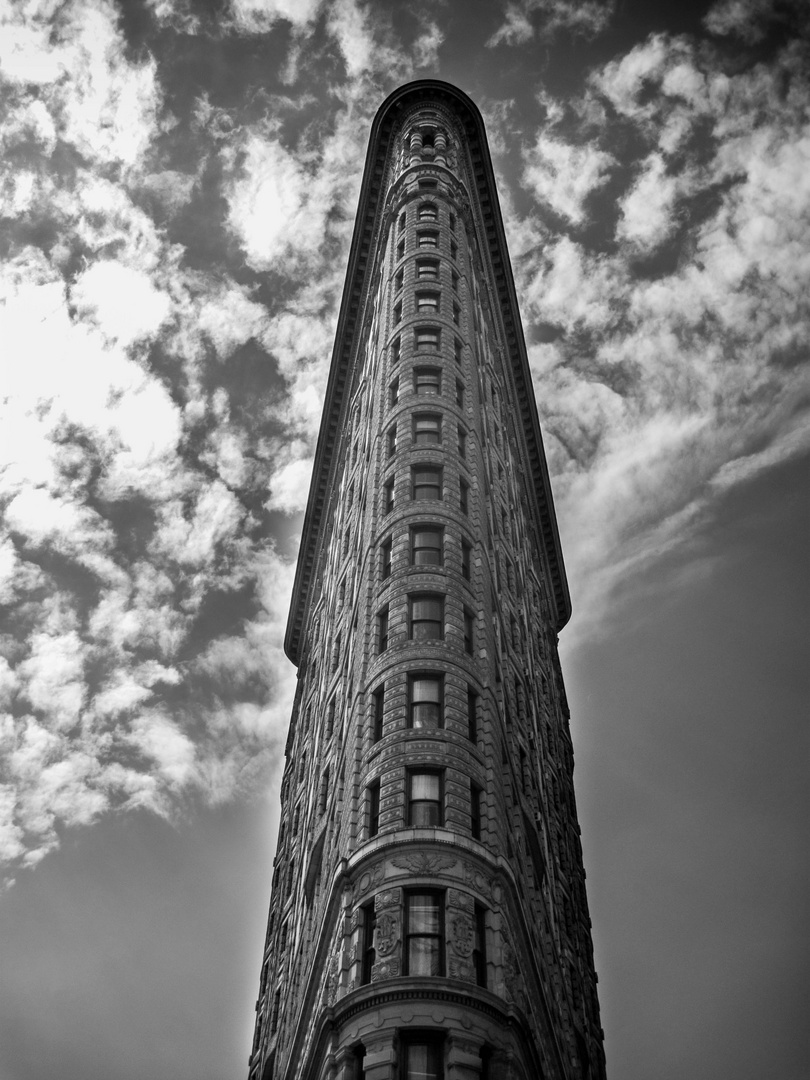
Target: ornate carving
{"x": 387, "y": 933}
{"x": 460, "y": 900}
{"x": 460, "y": 969}
{"x": 461, "y": 934}
{"x": 481, "y": 882}
{"x": 389, "y": 898}
{"x": 386, "y": 969}
{"x": 423, "y": 862}
{"x": 370, "y": 877}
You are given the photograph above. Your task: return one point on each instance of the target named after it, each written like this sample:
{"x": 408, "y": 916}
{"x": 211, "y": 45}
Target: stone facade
{"x": 428, "y": 917}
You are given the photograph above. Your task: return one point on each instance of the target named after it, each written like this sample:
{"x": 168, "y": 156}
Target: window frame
{"x": 378, "y": 713}
{"x": 373, "y": 809}
{"x": 436, "y": 677}
{"x": 434, "y": 1043}
{"x": 419, "y": 625}
{"x": 469, "y": 631}
{"x": 416, "y": 548}
{"x": 427, "y": 268}
{"x": 388, "y": 495}
{"x": 427, "y": 212}
{"x": 383, "y": 629}
{"x": 427, "y": 302}
{"x": 437, "y": 472}
{"x": 426, "y": 429}
{"x": 437, "y": 896}
{"x": 427, "y": 339}
{"x": 425, "y": 377}
{"x": 427, "y": 239}
{"x": 386, "y": 549}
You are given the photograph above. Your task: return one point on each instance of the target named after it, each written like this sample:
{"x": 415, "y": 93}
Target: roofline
{"x": 361, "y": 261}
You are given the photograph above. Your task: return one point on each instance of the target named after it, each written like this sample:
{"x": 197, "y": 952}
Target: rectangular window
{"x": 475, "y": 810}
{"x": 472, "y": 714}
{"x": 391, "y": 440}
{"x": 373, "y": 792}
{"x": 452, "y": 221}
{"x": 454, "y": 281}
{"x": 427, "y": 269}
{"x": 385, "y": 558}
{"x": 426, "y": 338}
{"x": 427, "y": 238}
{"x": 479, "y": 955}
{"x": 424, "y": 947}
{"x": 330, "y": 718}
{"x": 398, "y": 313}
{"x": 457, "y": 348}
{"x": 401, "y": 249}
{"x": 459, "y": 393}
{"x": 456, "y": 314}
{"x": 453, "y": 250}
{"x": 427, "y": 545}
{"x": 382, "y": 629}
{"x": 388, "y": 496}
{"x": 393, "y": 392}
{"x": 428, "y": 212}
{"x": 402, "y": 221}
{"x": 469, "y": 629}
{"x": 369, "y": 923}
{"x": 464, "y": 496}
{"x": 324, "y": 792}
{"x": 427, "y": 381}
{"x": 396, "y": 349}
{"x": 426, "y": 617}
{"x": 427, "y": 429}
{"x": 425, "y": 701}
{"x": 379, "y": 712}
{"x": 462, "y": 442}
{"x": 466, "y": 555}
{"x": 399, "y": 279}
{"x": 427, "y": 303}
{"x": 426, "y": 482}
{"x": 422, "y": 1058}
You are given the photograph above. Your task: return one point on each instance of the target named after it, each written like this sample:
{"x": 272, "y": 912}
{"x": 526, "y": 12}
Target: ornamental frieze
{"x": 424, "y": 862}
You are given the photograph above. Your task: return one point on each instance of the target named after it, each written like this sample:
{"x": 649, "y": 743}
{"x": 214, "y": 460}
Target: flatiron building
{"x": 428, "y": 918}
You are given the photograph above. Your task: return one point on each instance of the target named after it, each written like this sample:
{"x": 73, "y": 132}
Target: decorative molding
{"x": 423, "y": 862}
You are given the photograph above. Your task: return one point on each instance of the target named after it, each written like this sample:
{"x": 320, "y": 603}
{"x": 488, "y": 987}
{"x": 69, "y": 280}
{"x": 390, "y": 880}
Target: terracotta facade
{"x": 428, "y": 918}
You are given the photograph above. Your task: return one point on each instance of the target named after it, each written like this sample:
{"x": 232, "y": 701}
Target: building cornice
{"x": 362, "y": 261}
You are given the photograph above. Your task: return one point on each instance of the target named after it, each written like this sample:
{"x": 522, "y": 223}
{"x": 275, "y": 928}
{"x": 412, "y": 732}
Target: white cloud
{"x": 562, "y": 175}
{"x": 647, "y": 217}
{"x": 585, "y": 17}
{"x": 121, "y": 300}
{"x": 257, "y": 16}
{"x": 289, "y": 487}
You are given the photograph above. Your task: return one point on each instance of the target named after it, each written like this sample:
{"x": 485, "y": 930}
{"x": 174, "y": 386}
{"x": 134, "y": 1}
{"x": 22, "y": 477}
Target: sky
{"x": 178, "y": 185}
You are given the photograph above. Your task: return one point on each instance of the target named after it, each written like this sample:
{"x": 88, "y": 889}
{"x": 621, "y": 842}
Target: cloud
{"x": 563, "y": 176}
{"x": 583, "y": 17}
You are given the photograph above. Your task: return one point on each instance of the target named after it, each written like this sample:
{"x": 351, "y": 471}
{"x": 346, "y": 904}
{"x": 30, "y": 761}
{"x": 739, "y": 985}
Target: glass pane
{"x": 425, "y": 815}
{"x": 426, "y": 715}
{"x": 422, "y": 1062}
{"x": 423, "y": 913}
{"x": 426, "y": 690}
{"x": 424, "y": 786}
{"x": 427, "y": 609}
{"x": 423, "y": 956}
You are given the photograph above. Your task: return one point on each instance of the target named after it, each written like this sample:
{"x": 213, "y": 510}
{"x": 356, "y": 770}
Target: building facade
{"x": 428, "y": 918}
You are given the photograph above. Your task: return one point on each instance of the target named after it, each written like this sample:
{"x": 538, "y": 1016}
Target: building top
{"x": 361, "y": 270}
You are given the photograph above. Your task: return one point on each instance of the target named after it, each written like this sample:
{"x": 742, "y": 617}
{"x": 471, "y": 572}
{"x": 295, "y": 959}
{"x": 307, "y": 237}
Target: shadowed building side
{"x": 428, "y": 918}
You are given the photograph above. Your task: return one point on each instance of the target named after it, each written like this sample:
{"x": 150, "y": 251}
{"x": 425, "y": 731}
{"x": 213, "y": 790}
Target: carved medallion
{"x": 387, "y": 933}
{"x": 461, "y": 934}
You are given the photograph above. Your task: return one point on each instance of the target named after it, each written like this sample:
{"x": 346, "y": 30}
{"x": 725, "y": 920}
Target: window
{"x": 466, "y": 553}
{"x": 459, "y": 393}
{"x": 427, "y": 238}
{"x": 426, "y": 338}
{"x": 427, "y": 269}
{"x": 457, "y": 347}
{"x": 475, "y": 810}
{"x": 369, "y": 924}
{"x": 373, "y": 799}
{"x": 399, "y": 278}
{"x": 398, "y": 312}
{"x": 428, "y": 212}
{"x": 427, "y": 545}
{"x": 428, "y": 184}
{"x": 427, "y": 381}
{"x": 388, "y": 496}
{"x": 454, "y": 280}
{"x": 425, "y": 697}
{"x": 396, "y": 349}
{"x": 358, "y": 1071}
{"x": 479, "y": 955}
{"x": 427, "y": 303}
{"x": 426, "y": 482}
{"x": 379, "y": 712}
{"x": 472, "y": 714}
{"x": 393, "y": 392}
{"x": 426, "y": 617}
{"x": 422, "y": 1058}
{"x": 400, "y": 249}
{"x": 382, "y": 629}
{"x": 469, "y": 627}
{"x": 452, "y": 221}
{"x": 456, "y": 314}
{"x": 453, "y": 250}
{"x": 324, "y": 792}
{"x": 391, "y": 440}
{"x": 424, "y": 951}
{"x": 336, "y": 653}
{"x": 462, "y": 442}
{"x": 402, "y": 220}
{"x": 385, "y": 558}
{"x": 427, "y": 429}
{"x": 464, "y": 496}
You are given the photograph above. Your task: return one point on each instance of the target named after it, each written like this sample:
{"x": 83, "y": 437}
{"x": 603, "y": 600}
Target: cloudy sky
{"x": 178, "y": 183}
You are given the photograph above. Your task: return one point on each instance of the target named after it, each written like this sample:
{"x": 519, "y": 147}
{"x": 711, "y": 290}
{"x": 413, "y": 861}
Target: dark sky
{"x": 178, "y": 188}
